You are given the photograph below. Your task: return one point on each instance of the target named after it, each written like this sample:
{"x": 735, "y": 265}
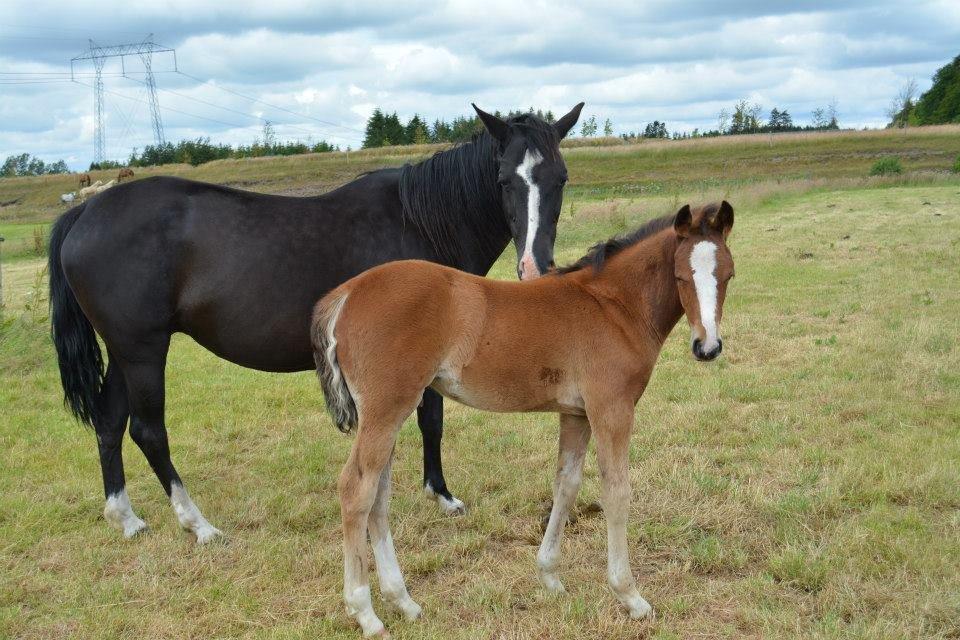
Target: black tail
{"x": 78, "y": 354}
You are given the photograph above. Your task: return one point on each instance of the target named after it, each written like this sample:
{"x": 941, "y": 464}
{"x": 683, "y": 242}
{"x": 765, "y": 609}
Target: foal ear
{"x": 723, "y": 220}
{"x": 682, "y": 221}
{"x": 499, "y": 129}
{"x": 566, "y": 123}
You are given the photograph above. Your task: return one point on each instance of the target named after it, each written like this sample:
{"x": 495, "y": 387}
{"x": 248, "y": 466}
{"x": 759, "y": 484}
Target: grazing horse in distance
{"x": 86, "y": 192}
{"x": 103, "y": 187}
{"x": 240, "y": 272}
{"x": 126, "y": 172}
{"x": 84, "y": 180}
{"x": 581, "y": 343}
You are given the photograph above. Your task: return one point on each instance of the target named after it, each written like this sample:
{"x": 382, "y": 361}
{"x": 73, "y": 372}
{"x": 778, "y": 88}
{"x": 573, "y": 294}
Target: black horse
{"x": 240, "y": 272}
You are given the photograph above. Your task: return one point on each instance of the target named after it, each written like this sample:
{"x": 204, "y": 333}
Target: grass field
{"x": 805, "y": 485}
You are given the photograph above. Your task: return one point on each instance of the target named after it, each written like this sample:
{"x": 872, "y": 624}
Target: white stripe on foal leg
{"x": 118, "y": 512}
{"x": 360, "y": 608}
{"x": 703, "y": 262}
{"x": 392, "y": 586}
{"x": 189, "y": 515}
{"x": 574, "y": 437}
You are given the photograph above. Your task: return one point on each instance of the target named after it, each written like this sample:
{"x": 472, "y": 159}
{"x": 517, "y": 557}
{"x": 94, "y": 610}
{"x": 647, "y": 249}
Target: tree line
{"x": 940, "y": 104}
{"x": 386, "y": 129}
{"x": 745, "y": 118}
{"x": 201, "y": 150}
{"x": 25, "y": 164}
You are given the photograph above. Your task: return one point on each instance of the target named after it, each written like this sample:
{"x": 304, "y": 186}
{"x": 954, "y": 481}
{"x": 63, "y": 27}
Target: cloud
{"x": 303, "y": 64}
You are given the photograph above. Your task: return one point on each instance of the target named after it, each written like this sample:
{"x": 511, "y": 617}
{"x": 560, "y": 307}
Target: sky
{"x": 317, "y": 69}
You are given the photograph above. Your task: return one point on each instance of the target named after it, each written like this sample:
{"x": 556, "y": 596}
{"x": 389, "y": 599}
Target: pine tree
{"x": 373, "y": 136}
{"x": 393, "y": 131}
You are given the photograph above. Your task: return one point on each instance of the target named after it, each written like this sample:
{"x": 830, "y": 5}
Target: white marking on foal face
{"x": 703, "y": 262}
{"x": 531, "y": 158}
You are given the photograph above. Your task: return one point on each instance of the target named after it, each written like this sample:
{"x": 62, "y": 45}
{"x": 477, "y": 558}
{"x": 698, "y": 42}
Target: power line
{"x": 242, "y": 113}
{"x": 165, "y": 108}
{"x": 273, "y": 106}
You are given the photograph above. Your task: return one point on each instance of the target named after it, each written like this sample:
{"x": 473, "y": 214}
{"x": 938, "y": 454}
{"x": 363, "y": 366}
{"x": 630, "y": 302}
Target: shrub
{"x": 886, "y": 166}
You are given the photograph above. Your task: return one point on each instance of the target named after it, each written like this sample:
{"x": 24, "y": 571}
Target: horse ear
{"x": 499, "y": 129}
{"x": 566, "y": 123}
{"x": 723, "y": 220}
{"x": 682, "y": 221}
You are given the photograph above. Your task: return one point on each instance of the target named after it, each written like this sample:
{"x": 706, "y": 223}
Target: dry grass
{"x": 804, "y": 486}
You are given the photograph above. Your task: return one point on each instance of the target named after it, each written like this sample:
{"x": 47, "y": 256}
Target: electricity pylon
{"x": 98, "y": 55}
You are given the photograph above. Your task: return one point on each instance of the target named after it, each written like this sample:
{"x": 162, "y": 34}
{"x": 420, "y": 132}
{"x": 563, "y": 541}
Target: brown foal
{"x": 582, "y": 342}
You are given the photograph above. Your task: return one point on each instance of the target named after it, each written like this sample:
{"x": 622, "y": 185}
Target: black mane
{"x": 600, "y": 252}
{"x": 456, "y": 189}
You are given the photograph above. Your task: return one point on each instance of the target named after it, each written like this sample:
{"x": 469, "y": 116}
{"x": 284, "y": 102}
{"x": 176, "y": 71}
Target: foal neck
{"x": 641, "y": 281}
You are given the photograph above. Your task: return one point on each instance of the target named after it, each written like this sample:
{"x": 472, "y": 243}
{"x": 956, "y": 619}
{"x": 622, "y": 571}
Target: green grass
{"x": 805, "y": 485}
{"x": 887, "y": 166}
{"x": 696, "y": 167}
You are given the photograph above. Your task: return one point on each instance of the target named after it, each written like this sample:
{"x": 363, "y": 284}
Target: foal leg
{"x": 392, "y": 585}
{"x": 358, "y": 486}
{"x": 110, "y": 427}
{"x": 145, "y": 385}
{"x": 574, "y": 437}
{"x": 611, "y": 431}
{"x": 430, "y": 421}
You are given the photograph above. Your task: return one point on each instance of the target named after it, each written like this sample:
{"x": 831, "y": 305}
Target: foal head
{"x": 531, "y": 179}
{"x": 703, "y": 266}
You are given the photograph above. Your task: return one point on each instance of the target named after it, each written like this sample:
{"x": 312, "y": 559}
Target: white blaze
{"x": 531, "y": 158}
{"x": 703, "y": 262}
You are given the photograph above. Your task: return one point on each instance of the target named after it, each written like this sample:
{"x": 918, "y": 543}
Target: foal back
{"x": 492, "y": 345}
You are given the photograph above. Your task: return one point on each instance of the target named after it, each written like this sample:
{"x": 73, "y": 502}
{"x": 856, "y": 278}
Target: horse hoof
{"x": 452, "y": 506}
{"x": 133, "y": 529}
{"x": 208, "y": 534}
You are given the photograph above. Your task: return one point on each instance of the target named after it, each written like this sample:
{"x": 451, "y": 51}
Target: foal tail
{"x": 340, "y": 403}
{"x": 78, "y": 354}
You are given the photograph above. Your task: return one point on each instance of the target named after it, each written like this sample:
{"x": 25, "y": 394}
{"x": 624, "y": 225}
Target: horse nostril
{"x": 697, "y": 348}
{"x": 719, "y": 346}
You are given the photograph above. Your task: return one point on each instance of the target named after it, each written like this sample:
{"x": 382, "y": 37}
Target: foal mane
{"x": 456, "y": 191}
{"x": 598, "y": 254}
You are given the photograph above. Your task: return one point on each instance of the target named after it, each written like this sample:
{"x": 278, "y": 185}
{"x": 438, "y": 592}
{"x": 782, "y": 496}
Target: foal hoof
{"x": 411, "y": 610}
{"x": 640, "y": 609}
{"x": 552, "y": 584}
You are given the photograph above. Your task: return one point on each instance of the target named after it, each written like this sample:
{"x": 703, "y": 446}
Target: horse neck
{"x": 465, "y": 223}
{"x": 641, "y": 281}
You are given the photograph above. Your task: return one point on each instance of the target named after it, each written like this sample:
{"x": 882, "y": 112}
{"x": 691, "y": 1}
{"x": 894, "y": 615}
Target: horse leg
{"x": 430, "y": 421}
{"x": 392, "y": 585}
{"x": 110, "y": 426}
{"x": 145, "y": 385}
{"x": 611, "y": 431}
{"x": 358, "y": 488}
{"x": 574, "y": 437}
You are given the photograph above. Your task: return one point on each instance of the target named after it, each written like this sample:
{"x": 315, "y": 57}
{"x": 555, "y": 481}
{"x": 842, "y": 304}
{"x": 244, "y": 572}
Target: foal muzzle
{"x": 706, "y": 355}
